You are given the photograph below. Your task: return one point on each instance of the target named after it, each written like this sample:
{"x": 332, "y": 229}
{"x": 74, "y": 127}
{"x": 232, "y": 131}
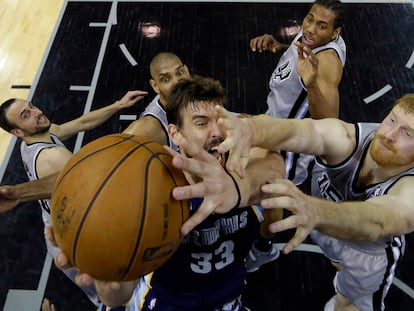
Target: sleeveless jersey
{"x": 208, "y": 269}
{"x": 157, "y": 110}
{"x": 338, "y": 183}
{"x": 288, "y": 99}
{"x": 29, "y": 155}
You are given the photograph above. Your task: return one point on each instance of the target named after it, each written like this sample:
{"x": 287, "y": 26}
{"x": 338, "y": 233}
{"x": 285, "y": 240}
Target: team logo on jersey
{"x": 282, "y": 72}
{"x": 327, "y": 190}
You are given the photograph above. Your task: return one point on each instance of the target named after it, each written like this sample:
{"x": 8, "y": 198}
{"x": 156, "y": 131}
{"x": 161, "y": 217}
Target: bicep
{"x": 333, "y": 140}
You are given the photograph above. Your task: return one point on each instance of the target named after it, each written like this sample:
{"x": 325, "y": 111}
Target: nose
{"x": 36, "y": 111}
{"x": 216, "y": 131}
{"x": 311, "y": 28}
{"x": 390, "y": 134}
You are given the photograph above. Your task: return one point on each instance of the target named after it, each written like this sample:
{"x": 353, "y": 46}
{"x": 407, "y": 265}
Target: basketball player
{"x": 319, "y": 50}
{"x": 43, "y": 152}
{"x": 207, "y": 272}
{"x": 166, "y": 70}
{"x": 362, "y": 193}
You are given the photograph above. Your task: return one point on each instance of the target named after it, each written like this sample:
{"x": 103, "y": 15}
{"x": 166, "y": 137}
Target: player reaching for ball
{"x": 207, "y": 272}
{"x": 42, "y": 150}
{"x": 167, "y": 70}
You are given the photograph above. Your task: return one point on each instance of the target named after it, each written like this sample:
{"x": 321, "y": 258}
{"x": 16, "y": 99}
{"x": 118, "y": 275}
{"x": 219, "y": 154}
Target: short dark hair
{"x": 5, "y": 124}
{"x": 337, "y": 7}
{"x": 191, "y": 92}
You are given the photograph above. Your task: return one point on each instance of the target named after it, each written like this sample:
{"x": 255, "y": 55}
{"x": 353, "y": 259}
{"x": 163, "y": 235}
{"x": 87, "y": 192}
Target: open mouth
{"x": 220, "y": 157}
{"x": 307, "y": 40}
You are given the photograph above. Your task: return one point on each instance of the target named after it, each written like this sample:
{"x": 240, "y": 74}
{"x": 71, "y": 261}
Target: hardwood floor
{"x": 25, "y": 29}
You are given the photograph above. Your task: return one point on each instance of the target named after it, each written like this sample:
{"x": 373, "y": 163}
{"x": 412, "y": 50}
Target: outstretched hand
{"x": 216, "y": 186}
{"x": 307, "y": 65}
{"x": 9, "y": 198}
{"x": 303, "y": 207}
{"x": 265, "y": 42}
{"x": 239, "y": 138}
{"x": 131, "y": 97}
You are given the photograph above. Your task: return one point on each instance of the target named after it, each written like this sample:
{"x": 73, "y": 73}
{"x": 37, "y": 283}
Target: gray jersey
{"x": 29, "y": 155}
{"x": 156, "y": 110}
{"x": 288, "y": 99}
{"x": 368, "y": 268}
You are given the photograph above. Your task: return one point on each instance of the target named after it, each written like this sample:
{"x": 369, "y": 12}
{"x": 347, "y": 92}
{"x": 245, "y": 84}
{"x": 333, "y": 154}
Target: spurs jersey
{"x": 29, "y": 155}
{"x": 288, "y": 99}
{"x": 208, "y": 270}
{"x": 157, "y": 110}
{"x": 368, "y": 268}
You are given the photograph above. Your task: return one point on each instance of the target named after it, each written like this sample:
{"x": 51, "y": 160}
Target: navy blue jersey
{"x": 208, "y": 269}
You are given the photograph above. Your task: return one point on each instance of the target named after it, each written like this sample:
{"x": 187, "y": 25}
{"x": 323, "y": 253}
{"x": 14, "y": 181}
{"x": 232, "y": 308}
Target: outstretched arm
{"x": 96, "y": 117}
{"x": 367, "y": 221}
{"x": 10, "y": 196}
{"x": 331, "y": 138}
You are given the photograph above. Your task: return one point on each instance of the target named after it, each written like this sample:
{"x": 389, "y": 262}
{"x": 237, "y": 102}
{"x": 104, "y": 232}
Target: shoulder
{"x": 148, "y": 126}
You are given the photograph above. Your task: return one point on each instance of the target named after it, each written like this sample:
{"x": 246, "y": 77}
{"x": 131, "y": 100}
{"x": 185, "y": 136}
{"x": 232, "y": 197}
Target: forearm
{"x": 96, "y": 117}
{"x": 37, "y": 189}
{"x": 355, "y": 221}
{"x": 282, "y": 134}
{"x": 322, "y": 106}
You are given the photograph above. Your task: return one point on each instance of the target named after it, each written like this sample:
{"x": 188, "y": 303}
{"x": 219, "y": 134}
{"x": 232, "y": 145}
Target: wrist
{"x": 258, "y": 123}
{"x": 237, "y": 190}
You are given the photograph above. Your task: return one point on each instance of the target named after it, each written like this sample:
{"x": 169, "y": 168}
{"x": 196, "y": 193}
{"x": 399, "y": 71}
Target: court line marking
{"x": 410, "y": 62}
{"x": 98, "y": 66}
{"x": 378, "y": 94}
{"x": 112, "y": 18}
{"x": 29, "y": 300}
{"x": 128, "y": 55}
{"x": 310, "y": 248}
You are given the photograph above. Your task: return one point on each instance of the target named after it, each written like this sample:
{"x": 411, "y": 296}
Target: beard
{"x": 40, "y": 130}
{"x": 385, "y": 153}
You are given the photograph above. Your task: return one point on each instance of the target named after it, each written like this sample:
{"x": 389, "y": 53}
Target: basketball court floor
{"x": 101, "y": 49}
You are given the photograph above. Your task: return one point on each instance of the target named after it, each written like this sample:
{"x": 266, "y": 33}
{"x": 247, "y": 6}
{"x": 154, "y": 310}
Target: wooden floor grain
{"x": 25, "y": 29}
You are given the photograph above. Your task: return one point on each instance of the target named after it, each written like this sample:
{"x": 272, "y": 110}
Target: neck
{"x": 38, "y": 138}
{"x": 372, "y": 173}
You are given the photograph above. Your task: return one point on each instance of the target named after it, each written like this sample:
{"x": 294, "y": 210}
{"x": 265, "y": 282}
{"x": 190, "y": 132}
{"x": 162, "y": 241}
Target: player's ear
{"x": 336, "y": 33}
{"x": 174, "y": 134}
{"x": 17, "y": 132}
{"x": 154, "y": 86}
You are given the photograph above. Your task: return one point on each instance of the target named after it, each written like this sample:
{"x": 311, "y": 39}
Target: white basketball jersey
{"x": 288, "y": 99}
{"x": 29, "y": 155}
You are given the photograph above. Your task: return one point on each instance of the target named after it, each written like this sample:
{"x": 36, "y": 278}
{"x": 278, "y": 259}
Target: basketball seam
{"x": 122, "y": 160}
{"x": 155, "y": 155}
{"x": 99, "y": 150}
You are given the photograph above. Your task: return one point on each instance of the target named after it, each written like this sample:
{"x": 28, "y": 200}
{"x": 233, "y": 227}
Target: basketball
{"x": 112, "y": 208}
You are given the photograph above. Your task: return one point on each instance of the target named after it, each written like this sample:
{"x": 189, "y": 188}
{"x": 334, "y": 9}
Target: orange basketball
{"x": 112, "y": 210}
